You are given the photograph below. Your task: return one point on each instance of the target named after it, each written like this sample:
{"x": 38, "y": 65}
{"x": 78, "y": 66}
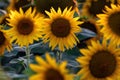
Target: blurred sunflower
{"x": 16, "y": 4}
{"x": 91, "y": 25}
{"x": 60, "y": 29}
{"x": 94, "y": 7}
{"x": 26, "y": 27}
{"x": 42, "y": 5}
{"x": 4, "y": 41}
{"x": 50, "y": 70}
{"x": 110, "y": 21}
{"x": 100, "y": 62}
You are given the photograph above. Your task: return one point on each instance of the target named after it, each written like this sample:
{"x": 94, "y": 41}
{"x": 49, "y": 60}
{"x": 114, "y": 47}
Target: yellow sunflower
{"x": 16, "y": 4}
{"x": 91, "y": 24}
{"x": 4, "y": 41}
{"x": 60, "y": 29}
{"x": 100, "y": 62}
{"x": 110, "y": 21}
{"x": 50, "y": 70}
{"x": 93, "y": 7}
{"x": 26, "y": 27}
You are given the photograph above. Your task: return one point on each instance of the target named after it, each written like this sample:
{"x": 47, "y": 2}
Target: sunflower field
{"x": 59, "y": 39}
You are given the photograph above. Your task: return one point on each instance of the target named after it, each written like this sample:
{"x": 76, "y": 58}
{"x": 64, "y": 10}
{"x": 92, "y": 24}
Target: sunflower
{"x": 91, "y": 25}
{"x": 4, "y": 41}
{"x": 26, "y": 27}
{"x": 42, "y": 5}
{"x": 60, "y": 29}
{"x": 16, "y": 4}
{"x": 110, "y": 21}
{"x": 100, "y": 61}
{"x": 50, "y": 70}
{"x": 94, "y": 7}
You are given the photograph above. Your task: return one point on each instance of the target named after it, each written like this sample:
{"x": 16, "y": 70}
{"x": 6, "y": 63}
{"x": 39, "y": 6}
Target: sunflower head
{"x": 4, "y": 41}
{"x": 49, "y": 69}
{"x": 25, "y": 26}
{"x": 60, "y": 29}
{"x": 91, "y": 25}
{"x": 42, "y": 5}
{"x": 100, "y": 61}
{"x": 16, "y": 4}
{"x": 110, "y": 21}
{"x": 94, "y": 7}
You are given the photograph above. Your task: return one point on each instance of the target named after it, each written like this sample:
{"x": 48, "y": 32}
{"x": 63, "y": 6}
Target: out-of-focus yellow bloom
{"x": 4, "y": 41}
{"x": 50, "y": 70}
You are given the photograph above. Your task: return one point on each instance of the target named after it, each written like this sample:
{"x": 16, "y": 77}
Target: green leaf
{"x": 77, "y": 78}
{"x": 28, "y": 72}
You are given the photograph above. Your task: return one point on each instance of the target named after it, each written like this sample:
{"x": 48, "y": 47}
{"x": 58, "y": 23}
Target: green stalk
{"x": 59, "y": 57}
{"x": 28, "y": 56}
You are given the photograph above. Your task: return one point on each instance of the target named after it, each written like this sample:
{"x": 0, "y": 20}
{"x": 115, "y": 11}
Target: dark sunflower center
{"x": 53, "y": 74}
{"x": 60, "y": 27}
{"x": 89, "y": 25}
{"x": 2, "y": 38}
{"x": 97, "y": 6}
{"x": 113, "y": 22}
{"x": 116, "y": 1}
{"x": 21, "y": 3}
{"x": 102, "y": 64}
{"x": 25, "y": 26}
{"x": 43, "y": 5}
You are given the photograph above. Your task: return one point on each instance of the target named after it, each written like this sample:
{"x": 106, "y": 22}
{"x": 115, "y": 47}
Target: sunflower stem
{"x": 28, "y": 56}
{"x": 59, "y": 57}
